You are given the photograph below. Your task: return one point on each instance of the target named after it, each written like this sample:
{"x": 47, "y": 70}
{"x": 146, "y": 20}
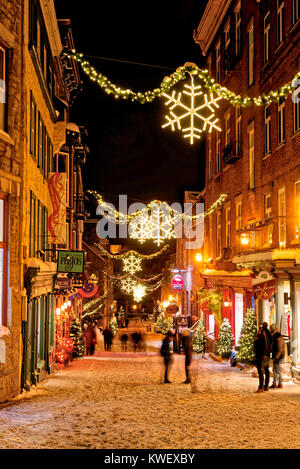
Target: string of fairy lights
{"x": 179, "y": 75}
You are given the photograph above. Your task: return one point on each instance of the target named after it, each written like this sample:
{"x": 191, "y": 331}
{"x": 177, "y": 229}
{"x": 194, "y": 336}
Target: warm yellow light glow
{"x": 199, "y": 257}
{"x": 244, "y": 239}
{"x": 166, "y": 304}
{"x": 58, "y": 310}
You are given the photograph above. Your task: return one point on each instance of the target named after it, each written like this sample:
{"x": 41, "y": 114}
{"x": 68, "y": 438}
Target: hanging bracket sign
{"x": 177, "y": 283}
{"x": 70, "y": 262}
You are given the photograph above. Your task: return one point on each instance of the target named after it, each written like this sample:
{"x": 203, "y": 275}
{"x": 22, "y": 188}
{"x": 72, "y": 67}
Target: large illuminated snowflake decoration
{"x": 139, "y": 291}
{"x": 127, "y": 285}
{"x": 191, "y": 113}
{"x": 132, "y": 264}
{"x": 158, "y": 226}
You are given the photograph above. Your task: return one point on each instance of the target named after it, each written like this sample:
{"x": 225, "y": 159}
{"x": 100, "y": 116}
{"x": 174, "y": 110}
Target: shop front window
{"x": 3, "y": 259}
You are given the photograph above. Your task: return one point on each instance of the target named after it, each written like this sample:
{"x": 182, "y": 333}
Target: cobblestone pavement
{"x": 118, "y": 401}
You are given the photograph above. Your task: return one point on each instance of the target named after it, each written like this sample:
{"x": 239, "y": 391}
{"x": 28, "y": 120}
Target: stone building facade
{"x": 11, "y": 154}
{"x": 252, "y": 249}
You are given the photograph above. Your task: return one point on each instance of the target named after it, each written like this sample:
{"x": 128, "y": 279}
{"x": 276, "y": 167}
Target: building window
{"x": 251, "y": 54}
{"x": 209, "y": 158}
{"x": 296, "y": 10}
{"x": 238, "y": 216}
{"x": 280, "y": 21}
{"x": 267, "y": 37}
{"x": 3, "y": 258}
{"x": 210, "y": 235}
{"x": 228, "y": 227}
{"x": 227, "y": 46}
{"x": 238, "y": 130}
{"x": 296, "y": 101}
{"x": 268, "y": 215}
{"x": 33, "y": 126}
{"x": 251, "y": 156}
{"x": 2, "y": 89}
{"x": 281, "y": 120}
{"x": 267, "y": 130}
{"x": 209, "y": 65}
{"x": 282, "y": 218}
{"x": 32, "y": 235}
{"x": 218, "y": 153}
{"x": 297, "y": 211}
{"x": 227, "y": 128}
{"x": 218, "y": 63}
{"x": 219, "y": 234}
{"x": 237, "y": 22}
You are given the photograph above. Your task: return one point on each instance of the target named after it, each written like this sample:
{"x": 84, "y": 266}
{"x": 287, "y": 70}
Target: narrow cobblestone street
{"x": 117, "y": 401}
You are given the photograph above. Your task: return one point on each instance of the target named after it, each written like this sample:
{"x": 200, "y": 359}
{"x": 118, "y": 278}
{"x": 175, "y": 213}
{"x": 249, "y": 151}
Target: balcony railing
{"x": 232, "y": 152}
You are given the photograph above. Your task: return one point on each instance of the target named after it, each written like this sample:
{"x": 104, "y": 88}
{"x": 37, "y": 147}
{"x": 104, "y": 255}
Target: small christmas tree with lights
{"x": 246, "y": 352}
{"x": 121, "y": 313}
{"x": 225, "y": 340}
{"x": 199, "y": 338}
{"x": 114, "y": 325}
{"x": 77, "y": 337}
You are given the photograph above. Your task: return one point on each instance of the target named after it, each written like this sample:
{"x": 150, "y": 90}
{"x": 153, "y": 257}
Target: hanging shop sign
{"x": 71, "y": 262}
{"x": 177, "y": 283}
{"x": 89, "y": 291}
{"x": 264, "y": 291}
{"x": 63, "y": 283}
{"x": 172, "y": 309}
{"x": 57, "y": 219}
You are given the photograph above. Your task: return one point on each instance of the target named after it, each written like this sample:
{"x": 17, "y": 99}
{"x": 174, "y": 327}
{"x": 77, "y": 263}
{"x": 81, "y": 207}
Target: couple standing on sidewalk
{"x": 269, "y": 342}
{"x": 167, "y": 356}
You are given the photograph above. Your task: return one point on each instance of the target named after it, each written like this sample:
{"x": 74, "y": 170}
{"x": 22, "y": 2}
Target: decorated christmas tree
{"x": 199, "y": 338}
{"x": 77, "y": 337}
{"x": 163, "y": 325}
{"x": 114, "y": 325}
{"x": 246, "y": 351}
{"x": 121, "y": 312}
{"x": 225, "y": 340}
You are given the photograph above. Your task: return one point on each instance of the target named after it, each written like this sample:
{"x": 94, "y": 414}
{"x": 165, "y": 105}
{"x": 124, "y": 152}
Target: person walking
{"x": 90, "y": 336}
{"x": 126, "y": 323}
{"x": 188, "y": 351}
{"x": 166, "y": 354}
{"x": 124, "y": 340}
{"x": 262, "y": 360}
{"x": 278, "y": 352}
{"x": 108, "y": 336}
{"x": 135, "y": 337}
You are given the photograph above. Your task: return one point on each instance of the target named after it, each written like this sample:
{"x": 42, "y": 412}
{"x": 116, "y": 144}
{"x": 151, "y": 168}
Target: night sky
{"x": 130, "y": 152}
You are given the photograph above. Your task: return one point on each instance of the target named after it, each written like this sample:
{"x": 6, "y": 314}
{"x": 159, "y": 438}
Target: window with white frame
{"x": 238, "y": 130}
{"x": 251, "y": 54}
{"x": 251, "y": 156}
{"x": 227, "y": 128}
{"x": 280, "y": 21}
{"x": 218, "y": 153}
{"x": 282, "y": 217}
{"x": 3, "y": 258}
{"x": 268, "y": 215}
{"x": 237, "y": 23}
{"x": 226, "y": 45}
{"x": 267, "y": 129}
{"x": 219, "y": 234}
{"x": 296, "y": 103}
{"x": 238, "y": 216}
{"x": 281, "y": 120}
{"x": 267, "y": 37}
{"x": 2, "y": 89}
{"x": 297, "y": 211}
{"x": 228, "y": 226}
{"x": 296, "y": 10}
{"x": 218, "y": 63}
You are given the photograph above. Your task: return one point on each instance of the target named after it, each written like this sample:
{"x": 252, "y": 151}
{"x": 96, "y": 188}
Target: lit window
{"x": 281, "y": 120}
{"x": 296, "y": 10}
{"x": 218, "y": 153}
{"x": 238, "y": 130}
{"x": 280, "y": 21}
{"x": 218, "y": 63}
{"x": 239, "y": 221}
{"x": 282, "y": 217}
{"x": 2, "y": 89}
{"x": 251, "y": 54}
{"x": 228, "y": 227}
{"x": 219, "y": 234}
{"x": 268, "y": 215}
{"x": 251, "y": 156}
{"x": 237, "y": 18}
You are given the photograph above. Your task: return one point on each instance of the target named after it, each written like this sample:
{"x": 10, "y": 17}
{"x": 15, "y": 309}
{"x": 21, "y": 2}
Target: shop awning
{"x": 236, "y": 278}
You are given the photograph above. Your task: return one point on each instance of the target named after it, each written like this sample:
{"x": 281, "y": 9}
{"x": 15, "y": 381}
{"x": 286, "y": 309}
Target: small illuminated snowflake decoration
{"x": 157, "y": 226}
{"x": 139, "y": 291}
{"x": 206, "y": 119}
{"x": 127, "y": 285}
{"x": 132, "y": 264}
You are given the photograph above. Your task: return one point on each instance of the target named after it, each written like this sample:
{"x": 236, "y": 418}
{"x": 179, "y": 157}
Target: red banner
{"x": 89, "y": 291}
{"x": 264, "y": 291}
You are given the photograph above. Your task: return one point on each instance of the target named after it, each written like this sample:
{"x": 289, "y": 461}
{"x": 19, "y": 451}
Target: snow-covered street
{"x": 118, "y": 401}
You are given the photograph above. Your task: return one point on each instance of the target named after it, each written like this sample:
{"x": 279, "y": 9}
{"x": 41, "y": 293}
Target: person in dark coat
{"x": 278, "y": 347}
{"x": 108, "y": 337}
{"x": 188, "y": 351}
{"x": 124, "y": 340}
{"x": 262, "y": 360}
{"x": 135, "y": 337}
{"x": 90, "y": 336}
{"x": 166, "y": 354}
{"x": 126, "y": 323}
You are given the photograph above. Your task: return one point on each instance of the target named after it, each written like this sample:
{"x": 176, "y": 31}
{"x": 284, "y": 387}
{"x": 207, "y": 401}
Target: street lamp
{"x": 199, "y": 257}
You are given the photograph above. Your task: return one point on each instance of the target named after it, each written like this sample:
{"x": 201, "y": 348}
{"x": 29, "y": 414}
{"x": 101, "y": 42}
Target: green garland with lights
{"x": 180, "y": 75}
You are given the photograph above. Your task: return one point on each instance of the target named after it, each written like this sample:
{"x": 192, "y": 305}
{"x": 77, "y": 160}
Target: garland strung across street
{"x": 179, "y": 75}
{"x": 126, "y": 254}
